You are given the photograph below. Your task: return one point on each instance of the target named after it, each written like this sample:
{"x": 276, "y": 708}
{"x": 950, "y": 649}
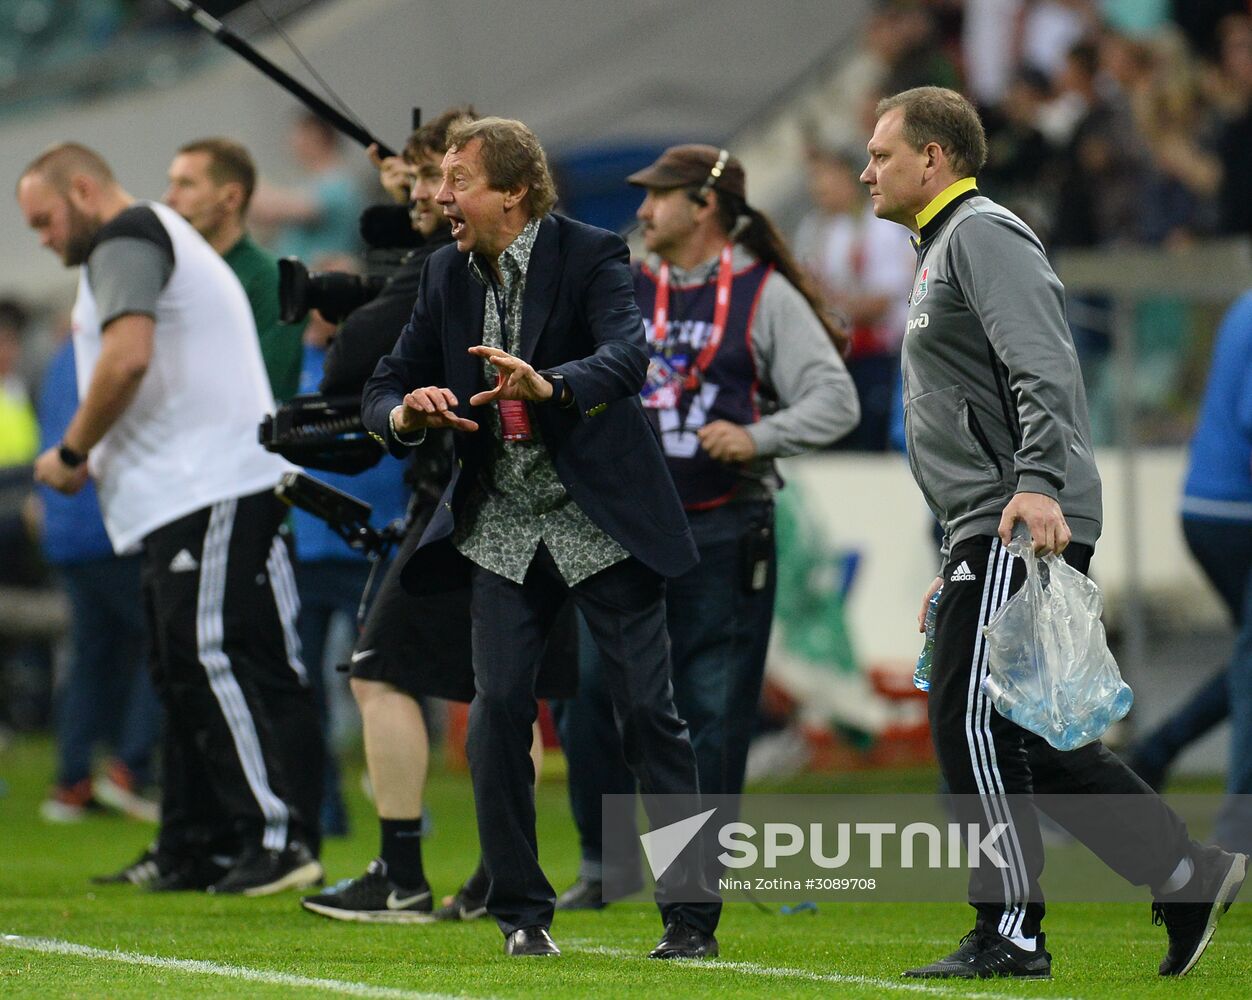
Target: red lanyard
{"x": 660, "y": 314}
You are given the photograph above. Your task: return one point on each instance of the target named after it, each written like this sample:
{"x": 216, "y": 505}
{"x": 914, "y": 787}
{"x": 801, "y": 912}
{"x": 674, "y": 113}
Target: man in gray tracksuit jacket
{"x": 997, "y": 428}
{"x": 994, "y": 401}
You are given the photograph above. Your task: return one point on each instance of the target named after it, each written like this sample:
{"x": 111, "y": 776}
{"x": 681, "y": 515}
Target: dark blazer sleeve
{"x": 416, "y": 360}
{"x": 617, "y": 367}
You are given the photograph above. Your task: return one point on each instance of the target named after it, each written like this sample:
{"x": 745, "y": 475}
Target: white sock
{"x": 1025, "y": 943}
{"x": 1182, "y": 875}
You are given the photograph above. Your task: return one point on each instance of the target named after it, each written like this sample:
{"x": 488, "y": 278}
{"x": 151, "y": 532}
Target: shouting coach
{"x": 526, "y": 341}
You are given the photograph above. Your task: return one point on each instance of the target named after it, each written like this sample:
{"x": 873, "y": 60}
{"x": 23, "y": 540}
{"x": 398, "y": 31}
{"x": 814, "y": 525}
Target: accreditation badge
{"x": 663, "y": 386}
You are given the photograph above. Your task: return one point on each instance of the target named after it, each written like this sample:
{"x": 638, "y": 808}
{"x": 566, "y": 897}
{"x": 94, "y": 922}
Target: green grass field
{"x": 61, "y": 937}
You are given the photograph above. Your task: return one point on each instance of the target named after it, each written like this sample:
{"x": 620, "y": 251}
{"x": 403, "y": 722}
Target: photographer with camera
{"x": 410, "y": 648}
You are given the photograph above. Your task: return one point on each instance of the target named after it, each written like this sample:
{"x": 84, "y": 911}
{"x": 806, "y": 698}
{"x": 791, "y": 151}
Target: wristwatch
{"x": 411, "y": 441}
{"x": 561, "y": 394}
{"x": 70, "y": 458}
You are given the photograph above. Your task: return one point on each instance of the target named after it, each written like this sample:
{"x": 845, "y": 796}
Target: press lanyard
{"x": 660, "y": 315}
{"x": 514, "y": 418}
{"x": 501, "y": 310}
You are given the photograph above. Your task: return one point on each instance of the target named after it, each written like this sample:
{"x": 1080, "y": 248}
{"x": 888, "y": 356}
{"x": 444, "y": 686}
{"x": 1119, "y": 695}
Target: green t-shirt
{"x": 282, "y": 344}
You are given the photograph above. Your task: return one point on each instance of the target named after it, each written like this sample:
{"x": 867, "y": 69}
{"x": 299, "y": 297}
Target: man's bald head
{"x": 66, "y": 195}
{"x": 59, "y": 166}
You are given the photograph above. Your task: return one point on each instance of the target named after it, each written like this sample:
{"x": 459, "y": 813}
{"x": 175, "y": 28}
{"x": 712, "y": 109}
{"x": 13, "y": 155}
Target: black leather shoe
{"x": 585, "y": 894}
{"x": 530, "y": 941}
{"x": 683, "y": 941}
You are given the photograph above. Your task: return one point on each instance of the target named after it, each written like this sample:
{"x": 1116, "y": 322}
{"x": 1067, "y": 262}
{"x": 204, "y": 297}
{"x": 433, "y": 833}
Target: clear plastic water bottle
{"x": 921, "y": 673}
{"x": 1122, "y": 702}
{"x": 1009, "y": 703}
{"x": 1081, "y": 731}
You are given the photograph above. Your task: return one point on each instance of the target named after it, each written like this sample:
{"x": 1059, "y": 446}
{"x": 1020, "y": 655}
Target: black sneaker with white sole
{"x": 193, "y": 875}
{"x": 470, "y": 901}
{"x": 986, "y": 955}
{"x": 462, "y": 906}
{"x": 373, "y": 899}
{"x": 263, "y": 872}
{"x": 1190, "y": 916}
{"x": 143, "y": 871}
{"x": 584, "y": 894}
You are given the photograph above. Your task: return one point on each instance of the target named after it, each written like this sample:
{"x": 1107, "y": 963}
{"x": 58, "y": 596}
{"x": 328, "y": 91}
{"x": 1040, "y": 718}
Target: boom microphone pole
{"x": 299, "y": 91}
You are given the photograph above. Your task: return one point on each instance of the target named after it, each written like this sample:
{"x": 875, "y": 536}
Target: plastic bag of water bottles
{"x": 1050, "y": 669}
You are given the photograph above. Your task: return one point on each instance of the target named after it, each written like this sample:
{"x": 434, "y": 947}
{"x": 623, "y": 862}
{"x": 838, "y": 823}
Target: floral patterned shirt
{"x": 519, "y": 500}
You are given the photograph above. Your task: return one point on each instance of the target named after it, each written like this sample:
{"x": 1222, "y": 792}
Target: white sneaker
{"x": 69, "y": 803}
{"x": 116, "y": 795}
{"x": 56, "y": 811}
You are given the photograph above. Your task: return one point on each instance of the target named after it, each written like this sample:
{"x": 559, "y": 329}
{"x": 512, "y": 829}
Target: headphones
{"x": 701, "y": 197}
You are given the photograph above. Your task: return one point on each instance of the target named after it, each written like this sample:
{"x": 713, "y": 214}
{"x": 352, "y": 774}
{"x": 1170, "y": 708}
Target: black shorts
{"x": 420, "y": 644}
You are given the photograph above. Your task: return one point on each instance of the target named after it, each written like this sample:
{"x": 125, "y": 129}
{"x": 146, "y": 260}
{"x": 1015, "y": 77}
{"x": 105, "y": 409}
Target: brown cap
{"x": 690, "y": 166}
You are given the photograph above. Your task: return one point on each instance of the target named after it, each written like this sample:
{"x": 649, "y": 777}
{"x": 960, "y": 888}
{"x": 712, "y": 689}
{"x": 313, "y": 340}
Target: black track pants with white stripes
{"x": 993, "y": 765}
{"x": 243, "y": 744}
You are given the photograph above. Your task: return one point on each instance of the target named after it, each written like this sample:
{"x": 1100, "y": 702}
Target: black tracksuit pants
{"x": 992, "y": 765}
{"x": 242, "y": 742}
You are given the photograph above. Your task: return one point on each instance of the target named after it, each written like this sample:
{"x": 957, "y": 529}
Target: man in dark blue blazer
{"x": 526, "y": 340}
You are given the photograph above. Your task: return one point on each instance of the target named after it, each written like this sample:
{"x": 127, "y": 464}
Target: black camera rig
{"x": 344, "y": 514}
{"x": 332, "y": 293}
{"x": 321, "y": 433}
{"x": 347, "y": 517}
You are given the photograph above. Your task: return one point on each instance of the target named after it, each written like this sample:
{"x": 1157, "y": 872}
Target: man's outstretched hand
{"x": 517, "y": 379}
{"x": 428, "y": 407}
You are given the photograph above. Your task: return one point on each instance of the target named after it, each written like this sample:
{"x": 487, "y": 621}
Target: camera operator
{"x": 410, "y": 648}
{"x": 371, "y": 330}
{"x": 330, "y": 577}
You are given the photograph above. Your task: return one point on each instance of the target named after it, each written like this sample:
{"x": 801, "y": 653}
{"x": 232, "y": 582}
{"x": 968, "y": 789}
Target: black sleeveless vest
{"x": 726, "y": 389}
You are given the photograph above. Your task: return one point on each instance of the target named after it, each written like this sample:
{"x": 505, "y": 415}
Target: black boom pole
{"x": 293, "y": 86}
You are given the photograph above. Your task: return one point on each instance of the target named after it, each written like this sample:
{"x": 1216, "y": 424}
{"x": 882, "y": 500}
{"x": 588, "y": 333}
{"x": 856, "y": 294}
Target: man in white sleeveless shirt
{"x": 172, "y": 387}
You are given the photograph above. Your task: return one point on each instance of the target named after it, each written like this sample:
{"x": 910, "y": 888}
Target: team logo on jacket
{"x": 919, "y": 292}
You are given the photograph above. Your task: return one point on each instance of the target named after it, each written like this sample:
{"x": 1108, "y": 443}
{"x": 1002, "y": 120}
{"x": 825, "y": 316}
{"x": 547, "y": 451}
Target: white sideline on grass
{"x": 199, "y": 967}
{"x": 783, "y": 972}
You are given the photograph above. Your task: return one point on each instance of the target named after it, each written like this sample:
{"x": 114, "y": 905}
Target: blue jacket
{"x": 579, "y": 318}
{"x": 73, "y": 530}
{"x": 1219, "y": 476}
{"x": 382, "y": 487}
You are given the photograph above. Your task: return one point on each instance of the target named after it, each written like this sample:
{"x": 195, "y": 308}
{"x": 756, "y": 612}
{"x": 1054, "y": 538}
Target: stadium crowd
{"x": 1108, "y": 125}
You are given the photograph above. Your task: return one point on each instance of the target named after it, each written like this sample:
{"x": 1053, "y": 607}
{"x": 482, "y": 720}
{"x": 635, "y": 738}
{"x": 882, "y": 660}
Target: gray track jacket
{"x": 993, "y": 397}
